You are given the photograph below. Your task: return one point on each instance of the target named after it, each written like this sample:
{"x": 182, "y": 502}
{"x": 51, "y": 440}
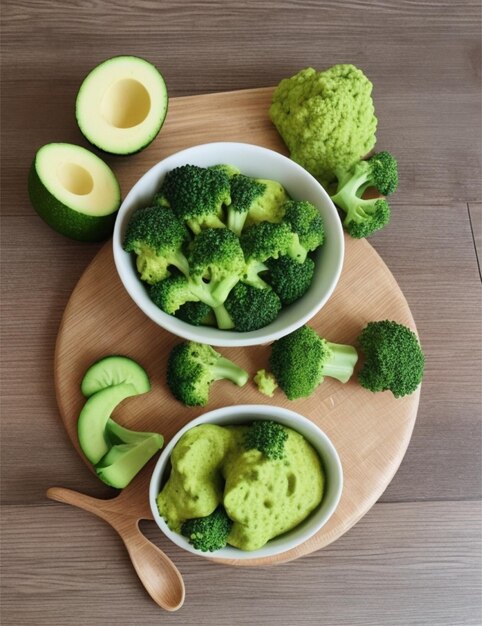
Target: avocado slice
{"x": 113, "y": 370}
{"x": 122, "y": 104}
{"x": 123, "y": 461}
{"x": 74, "y": 191}
{"x": 93, "y": 418}
{"x": 117, "y": 434}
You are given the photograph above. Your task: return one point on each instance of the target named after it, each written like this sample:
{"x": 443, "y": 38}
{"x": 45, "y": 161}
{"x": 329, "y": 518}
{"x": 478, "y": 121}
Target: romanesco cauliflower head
{"x": 326, "y": 119}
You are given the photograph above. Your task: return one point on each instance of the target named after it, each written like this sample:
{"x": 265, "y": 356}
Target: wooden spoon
{"x": 157, "y": 572}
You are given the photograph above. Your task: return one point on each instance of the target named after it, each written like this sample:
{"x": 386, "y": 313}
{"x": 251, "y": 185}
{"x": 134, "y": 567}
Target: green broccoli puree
{"x": 263, "y": 497}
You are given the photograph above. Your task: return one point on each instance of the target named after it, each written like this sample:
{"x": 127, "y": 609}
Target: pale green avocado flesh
{"x": 263, "y": 497}
{"x": 125, "y": 460}
{"x": 94, "y": 416}
{"x": 74, "y": 191}
{"x": 122, "y": 104}
{"x": 113, "y": 370}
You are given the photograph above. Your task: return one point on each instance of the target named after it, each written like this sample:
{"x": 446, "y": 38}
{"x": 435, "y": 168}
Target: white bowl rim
{"x": 215, "y": 336}
{"x": 290, "y": 419}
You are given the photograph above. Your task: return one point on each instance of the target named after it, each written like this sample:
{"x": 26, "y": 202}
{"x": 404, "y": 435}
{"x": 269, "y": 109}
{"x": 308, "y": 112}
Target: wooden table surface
{"x": 416, "y": 556}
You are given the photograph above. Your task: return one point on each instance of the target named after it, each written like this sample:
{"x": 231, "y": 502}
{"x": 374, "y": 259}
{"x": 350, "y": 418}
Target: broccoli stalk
{"x": 216, "y": 263}
{"x": 245, "y": 191}
{"x": 301, "y": 360}
{"x": 193, "y": 367}
{"x": 365, "y": 216}
{"x": 393, "y": 358}
{"x": 208, "y": 533}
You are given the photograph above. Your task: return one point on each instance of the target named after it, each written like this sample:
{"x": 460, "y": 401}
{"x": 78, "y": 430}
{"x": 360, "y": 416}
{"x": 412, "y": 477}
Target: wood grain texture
{"x": 403, "y": 563}
{"x": 475, "y": 214}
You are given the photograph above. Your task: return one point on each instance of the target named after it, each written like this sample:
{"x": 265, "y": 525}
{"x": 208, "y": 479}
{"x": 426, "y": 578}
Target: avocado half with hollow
{"x": 74, "y": 191}
{"x": 122, "y": 104}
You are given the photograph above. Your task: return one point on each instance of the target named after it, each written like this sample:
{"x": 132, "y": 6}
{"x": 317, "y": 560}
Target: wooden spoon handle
{"x": 157, "y": 572}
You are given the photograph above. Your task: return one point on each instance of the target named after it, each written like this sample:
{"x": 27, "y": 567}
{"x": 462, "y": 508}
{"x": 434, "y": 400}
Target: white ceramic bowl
{"x": 252, "y": 161}
{"x": 247, "y": 413}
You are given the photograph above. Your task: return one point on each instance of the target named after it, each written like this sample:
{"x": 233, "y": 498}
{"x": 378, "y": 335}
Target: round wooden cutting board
{"x": 370, "y": 431}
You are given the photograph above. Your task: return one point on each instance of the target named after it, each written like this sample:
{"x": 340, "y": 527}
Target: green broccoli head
{"x": 301, "y": 360}
{"x": 172, "y": 293}
{"x": 266, "y": 240}
{"x": 383, "y": 173}
{"x": 216, "y": 261}
{"x": 268, "y": 437}
{"x": 290, "y": 279}
{"x": 393, "y": 358}
{"x": 326, "y": 119}
{"x": 305, "y": 220}
{"x": 196, "y": 314}
{"x": 251, "y": 308}
{"x": 157, "y": 237}
{"x": 192, "y": 368}
{"x": 244, "y": 193}
{"x": 197, "y": 195}
{"x": 208, "y": 533}
{"x": 230, "y": 170}
{"x": 268, "y": 207}
{"x": 364, "y": 217}
{"x": 266, "y": 382}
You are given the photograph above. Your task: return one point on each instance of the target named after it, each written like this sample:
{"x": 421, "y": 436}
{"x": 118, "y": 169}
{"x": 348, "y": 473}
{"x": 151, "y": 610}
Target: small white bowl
{"x": 260, "y": 163}
{"x": 248, "y": 413}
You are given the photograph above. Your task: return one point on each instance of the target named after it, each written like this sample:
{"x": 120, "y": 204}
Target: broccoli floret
{"x": 264, "y": 241}
{"x": 196, "y": 314}
{"x": 393, "y": 358}
{"x": 216, "y": 260}
{"x": 301, "y": 360}
{"x": 269, "y": 207}
{"x": 244, "y": 192}
{"x": 173, "y": 292}
{"x": 290, "y": 279}
{"x": 230, "y": 170}
{"x": 192, "y": 368}
{"x": 197, "y": 195}
{"x": 305, "y": 220}
{"x": 157, "y": 237}
{"x": 266, "y": 382}
{"x": 208, "y": 533}
{"x": 365, "y": 216}
{"x": 327, "y": 119}
{"x": 268, "y": 437}
{"x": 251, "y": 308}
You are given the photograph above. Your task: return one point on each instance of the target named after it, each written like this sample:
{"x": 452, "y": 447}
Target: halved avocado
{"x": 74, "y": 191}
{"x": 122, "y": 104}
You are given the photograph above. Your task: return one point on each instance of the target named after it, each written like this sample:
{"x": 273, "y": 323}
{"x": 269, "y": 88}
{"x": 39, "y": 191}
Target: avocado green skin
{"x": 95, "y": 143}
{"x": 64, "y": 220}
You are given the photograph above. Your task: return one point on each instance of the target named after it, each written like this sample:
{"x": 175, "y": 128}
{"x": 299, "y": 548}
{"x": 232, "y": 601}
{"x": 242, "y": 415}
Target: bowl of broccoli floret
{"x": 244, "y": 482}
{"x": 229, "y": 244}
